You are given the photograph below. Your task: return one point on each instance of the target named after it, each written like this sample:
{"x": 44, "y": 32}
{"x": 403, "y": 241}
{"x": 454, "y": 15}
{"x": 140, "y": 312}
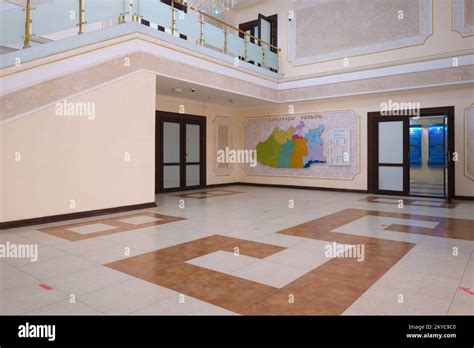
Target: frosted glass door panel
{"x": 171, "y": 177}
{"x": 391, "y": 178}
{"x": 265, "y": 30}
{"x": 171, "y": 142}
{"x": 192, "y": 143}
{"x": 391, "y": 142}
{"x": 193, "y": 177}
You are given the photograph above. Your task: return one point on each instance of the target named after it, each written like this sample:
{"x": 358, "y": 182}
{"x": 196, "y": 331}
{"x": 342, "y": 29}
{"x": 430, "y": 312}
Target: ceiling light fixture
{"x": 217, "y": 8}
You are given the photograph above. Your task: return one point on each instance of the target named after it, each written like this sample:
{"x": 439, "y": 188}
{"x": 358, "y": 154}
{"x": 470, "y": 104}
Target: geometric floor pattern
{"x": 106, "y": 226}
{"x": 250, "y": 254}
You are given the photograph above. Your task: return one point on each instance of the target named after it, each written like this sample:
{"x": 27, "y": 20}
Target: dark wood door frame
{"x": 182, "y": 120}
{"x": 372, "y": 146}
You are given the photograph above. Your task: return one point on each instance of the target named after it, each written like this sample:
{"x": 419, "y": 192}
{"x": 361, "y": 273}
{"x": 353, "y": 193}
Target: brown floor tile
{"x": 117, "y": 226}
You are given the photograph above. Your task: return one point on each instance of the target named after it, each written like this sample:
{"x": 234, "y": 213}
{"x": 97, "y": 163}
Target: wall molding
{"x": 223, "y": 121}
{"x": 425, "y": 31}
{"x": 458, "y": 9}
{"x": 469, "y": 157}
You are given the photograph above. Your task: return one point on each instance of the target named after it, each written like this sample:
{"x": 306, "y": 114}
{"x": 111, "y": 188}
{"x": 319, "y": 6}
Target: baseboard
{"x": 464, "y": 198}
{"x": 222, "y": 185}
{"x": 72, "y": 216}
{"x": 315, "y": 188}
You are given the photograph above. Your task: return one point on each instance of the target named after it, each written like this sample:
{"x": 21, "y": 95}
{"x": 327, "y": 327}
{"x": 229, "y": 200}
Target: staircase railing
{"x": 24, "y": 24}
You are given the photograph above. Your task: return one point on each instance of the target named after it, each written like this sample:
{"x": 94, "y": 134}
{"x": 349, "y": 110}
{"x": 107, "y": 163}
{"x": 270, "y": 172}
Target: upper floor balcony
{"x": 34, "y": 29}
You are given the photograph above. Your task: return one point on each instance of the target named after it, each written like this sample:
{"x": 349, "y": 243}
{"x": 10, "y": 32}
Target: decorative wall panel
{"x": 469, "y": 141}
{"x": 345, "y": 28}
{"x": 298, "y": 145}
{"x": 223, "y": 138}
{"x": 463, "y": 16}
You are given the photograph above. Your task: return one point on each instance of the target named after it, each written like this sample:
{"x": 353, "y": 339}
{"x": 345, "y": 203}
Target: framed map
{"x": 299, "y": 145}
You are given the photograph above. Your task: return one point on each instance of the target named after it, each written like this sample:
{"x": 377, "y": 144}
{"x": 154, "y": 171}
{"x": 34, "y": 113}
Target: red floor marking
{"x": 44, "y": 286}
{"x": 468, "y": 290}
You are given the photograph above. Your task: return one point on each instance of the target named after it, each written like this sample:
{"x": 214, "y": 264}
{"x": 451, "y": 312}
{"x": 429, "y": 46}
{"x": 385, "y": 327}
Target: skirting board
{"x": 289, "y": 187}
{"x": 72, "y": 216}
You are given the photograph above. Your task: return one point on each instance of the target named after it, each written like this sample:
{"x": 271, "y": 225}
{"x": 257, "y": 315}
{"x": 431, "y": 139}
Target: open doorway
{"x": 428, "y": 160}
{"x": 411, "y": 155}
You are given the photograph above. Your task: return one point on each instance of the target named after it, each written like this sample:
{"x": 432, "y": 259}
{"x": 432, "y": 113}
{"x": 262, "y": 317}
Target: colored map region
{"x": 297, "y": 147}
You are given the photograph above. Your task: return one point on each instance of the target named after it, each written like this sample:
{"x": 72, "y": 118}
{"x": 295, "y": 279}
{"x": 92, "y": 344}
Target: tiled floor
{"x": 250, "y": 254}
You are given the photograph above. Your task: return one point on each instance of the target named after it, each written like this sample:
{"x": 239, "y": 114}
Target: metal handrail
{"x": 227, "y": 26}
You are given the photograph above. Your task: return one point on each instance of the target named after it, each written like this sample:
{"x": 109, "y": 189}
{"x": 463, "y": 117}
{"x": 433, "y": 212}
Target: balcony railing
{"x": 28, "y": 23}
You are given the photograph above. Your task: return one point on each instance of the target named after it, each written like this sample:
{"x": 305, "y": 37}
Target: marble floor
{"x": 244, "y": 250}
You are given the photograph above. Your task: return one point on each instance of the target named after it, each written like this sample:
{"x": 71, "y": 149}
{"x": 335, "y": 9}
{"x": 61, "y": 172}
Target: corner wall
{"x": 210, "y": 111}
{"x": 66, "y": 158}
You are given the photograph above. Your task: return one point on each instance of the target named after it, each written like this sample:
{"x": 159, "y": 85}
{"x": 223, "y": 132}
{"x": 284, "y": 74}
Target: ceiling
{"x": 165, "y": 86}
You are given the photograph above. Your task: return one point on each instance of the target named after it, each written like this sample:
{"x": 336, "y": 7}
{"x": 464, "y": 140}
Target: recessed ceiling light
{"x": 210, "y": 97}
{"x": 232, "y": 101}
{"x": 177, "y": 90}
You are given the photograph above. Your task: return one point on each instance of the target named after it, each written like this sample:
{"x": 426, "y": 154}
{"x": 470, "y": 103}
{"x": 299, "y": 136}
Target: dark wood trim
{"x": 182, "y": 120}
{"x": 372, "y": 145}
{"x": 464, "y": 198}
{"x": 314, "y": 188}
{"x": 72, "y": 216}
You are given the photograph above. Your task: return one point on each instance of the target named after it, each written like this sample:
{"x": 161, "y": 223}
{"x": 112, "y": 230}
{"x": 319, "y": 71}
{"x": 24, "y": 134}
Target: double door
{"x": 389, "y": 148}
{"x": 180, "y": 152}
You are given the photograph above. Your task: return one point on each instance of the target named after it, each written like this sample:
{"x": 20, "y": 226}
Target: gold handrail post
{"x": 26, "y": 41}
{"x": 245, "y": 46}
{"x": 225, "y": 38}
{"x": 81, "y": 16}
{"x": 172, "y": 17}
{"x": 201, "y": 34}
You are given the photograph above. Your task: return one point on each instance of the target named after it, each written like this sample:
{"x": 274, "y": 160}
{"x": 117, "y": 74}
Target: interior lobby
{"x": 245, "y": 157}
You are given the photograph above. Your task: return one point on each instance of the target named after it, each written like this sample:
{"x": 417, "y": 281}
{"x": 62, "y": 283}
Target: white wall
{"x": 67, "y": 158}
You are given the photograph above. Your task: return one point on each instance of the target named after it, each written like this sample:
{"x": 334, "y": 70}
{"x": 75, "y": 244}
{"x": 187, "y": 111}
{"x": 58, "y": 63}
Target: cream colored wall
{"x": 210, "y": 111}
{"x": 443, "y": 40}
{"x": 460, "y": 98}
{"x": 67, "y": 158}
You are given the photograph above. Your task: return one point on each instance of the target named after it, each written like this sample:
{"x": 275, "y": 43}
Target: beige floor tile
{"x": 463, "y": 304}
{"x": 125, "y": 297}
{"x": 41, "y": 237}
{"x": 110, "y": 254}
{"x": 56, "y": 267}
{"x": 188, "y": 306}
{"x": 223, "y": 261}
{"x": 81, "y": 282}
{"x": 66, "y": 308}
{"x": 299, "y": 258}
{"x": 151, "y": 243}
{"x": 27, "y": 298}
{"x": 11, "y": 277}
{"x": 269, "y": 273}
